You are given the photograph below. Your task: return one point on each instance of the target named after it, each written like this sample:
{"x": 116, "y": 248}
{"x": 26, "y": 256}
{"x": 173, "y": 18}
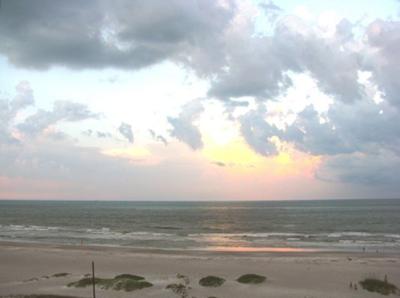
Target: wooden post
{"x": 93, "y": 281}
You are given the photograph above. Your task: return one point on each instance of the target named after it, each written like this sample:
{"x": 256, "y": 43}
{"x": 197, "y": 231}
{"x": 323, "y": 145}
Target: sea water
{"x": 371, "y": 225}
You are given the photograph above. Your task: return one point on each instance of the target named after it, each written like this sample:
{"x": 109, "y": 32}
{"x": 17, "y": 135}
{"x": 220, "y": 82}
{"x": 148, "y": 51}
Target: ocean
{"x": 332, "y": 225}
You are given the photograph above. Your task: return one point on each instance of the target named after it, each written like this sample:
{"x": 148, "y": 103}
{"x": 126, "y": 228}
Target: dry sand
{"x": 289, "y": 274}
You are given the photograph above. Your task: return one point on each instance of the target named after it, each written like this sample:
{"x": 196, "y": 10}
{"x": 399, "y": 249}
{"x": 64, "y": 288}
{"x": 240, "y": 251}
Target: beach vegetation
{"x": 123, "y": 282}
{"x": 129, "y": 285}
{"x": 129, "y": 276}
{"x": 251, "y": 279}
{"x": 61, "y": 274}
{"x": 211, "y": 281}
{"x": 32, "y": 279}
{"x": 383, "y": 287}
{"x": 179, "y": 289}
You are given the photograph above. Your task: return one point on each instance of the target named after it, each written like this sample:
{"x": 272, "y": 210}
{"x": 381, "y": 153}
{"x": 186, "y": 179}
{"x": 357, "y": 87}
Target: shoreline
{"x": 218, "y": 251}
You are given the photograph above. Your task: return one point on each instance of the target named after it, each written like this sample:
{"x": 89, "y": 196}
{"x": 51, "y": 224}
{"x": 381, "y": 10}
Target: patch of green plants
{"x": 61, "y": 274}
{"x": 379, "y": 286}
{"x": 129, "y": 285}
{"x": 122, "y": 282}
{"x": 177, "y": 288}
{"x": 180, "y": 288}
{"x": 251, "y": 279}
{"x": 211, "y": 281}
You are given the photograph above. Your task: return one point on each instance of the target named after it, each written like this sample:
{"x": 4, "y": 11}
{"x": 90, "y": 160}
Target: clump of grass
{"x": 379, "y": 286}
{"x": 183, "y": 277}
{"x": 85, "y": 282}
{"x": 251, "y": 279}
{"x": 211, "y": 281}
{"x": 179, "y": 289}
{"x": 61, "y": 274}
{"x": 125, "y": 282}
{"x": 129, "y": 276}
{"x": 32, "y": 279}
{"x": 129, "y": 285}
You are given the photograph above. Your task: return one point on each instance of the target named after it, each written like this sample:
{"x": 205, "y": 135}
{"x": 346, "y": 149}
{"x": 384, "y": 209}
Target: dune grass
{"x": 129, "y": 276}
{"x": 211, "y": 281}
{"x": 181, "y": 288}
{"x": 178, "y": 288}
{"x": 61, "y": 274}
{"x": 251, "y": 279}
{"x": 122, "y": 282}
{"x": 379, "y": 286}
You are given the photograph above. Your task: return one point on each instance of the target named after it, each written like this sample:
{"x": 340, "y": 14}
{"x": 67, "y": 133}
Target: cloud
{"x": 157, "y": 137}
{"x": 53, "y": 165}
{"x": 99, "y": 134}
{"x": 126, "y": 130}
{"x": 102, "y": 134}
{"x": 62, "y": 111}
{"x": 270, "y": 6}
{"x": 219, "y": 163}
{"x": 309, "y": 135}
{"x": 9, "y": 110}
{"x": 98, "y": 34}
{"x": 183, "y": 128}
{"x": 206, "y": 36}
{"x": 375, "y": 169}
{"x": 258, "y": 66}
{"x": 257, "y": 132}
{"x": 216, "y": 40}
{"x": 66, "y": 170}
{"x": 87, "y": 132}
{"x": 381, "y": 58}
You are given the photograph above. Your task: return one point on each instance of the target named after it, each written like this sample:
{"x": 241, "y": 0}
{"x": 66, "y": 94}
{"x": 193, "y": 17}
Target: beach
{"x": 29, "y": 268}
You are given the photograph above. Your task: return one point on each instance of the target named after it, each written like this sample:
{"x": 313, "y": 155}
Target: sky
{"x": 199, "y": 100}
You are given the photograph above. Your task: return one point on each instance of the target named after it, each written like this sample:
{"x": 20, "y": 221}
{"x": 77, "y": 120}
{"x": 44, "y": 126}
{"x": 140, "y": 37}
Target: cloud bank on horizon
{"x": 202, "y": 99}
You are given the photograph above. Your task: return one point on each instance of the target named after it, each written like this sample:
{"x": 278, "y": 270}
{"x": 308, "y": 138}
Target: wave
{"x": 171, "y": 239}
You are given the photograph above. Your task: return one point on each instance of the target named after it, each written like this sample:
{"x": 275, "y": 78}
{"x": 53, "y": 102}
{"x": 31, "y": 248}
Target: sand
{"x": 23, "y": 268}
